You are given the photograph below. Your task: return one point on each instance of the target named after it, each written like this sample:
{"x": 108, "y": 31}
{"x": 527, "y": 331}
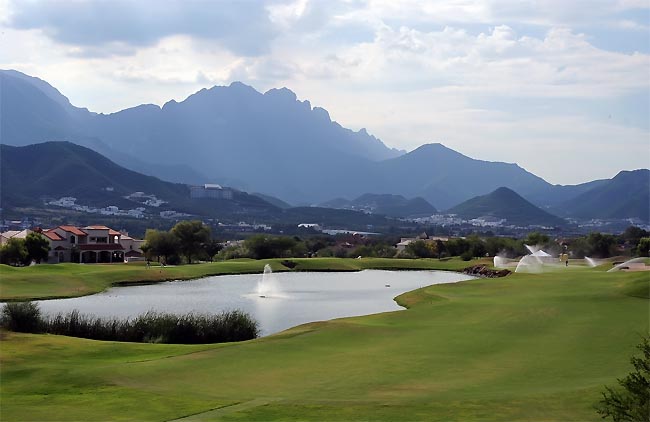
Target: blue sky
{"x": 560, "y": 87}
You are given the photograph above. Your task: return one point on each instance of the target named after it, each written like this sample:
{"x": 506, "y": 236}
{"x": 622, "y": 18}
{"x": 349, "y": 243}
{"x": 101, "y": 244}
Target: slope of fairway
{"x": 525, "y": 347}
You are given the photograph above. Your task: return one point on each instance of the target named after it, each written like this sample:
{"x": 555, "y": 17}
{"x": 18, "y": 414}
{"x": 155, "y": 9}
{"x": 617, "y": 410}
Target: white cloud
{"x": 409, "y": 71}
{"x": 285, "y": 15}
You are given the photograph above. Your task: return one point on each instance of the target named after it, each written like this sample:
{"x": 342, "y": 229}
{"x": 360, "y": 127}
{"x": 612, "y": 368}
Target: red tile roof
{"x": 112, "y": 232}
{"x": 52, "y": 235}
{"x": 73, "y": 230}
{"x": 96, "y": 228}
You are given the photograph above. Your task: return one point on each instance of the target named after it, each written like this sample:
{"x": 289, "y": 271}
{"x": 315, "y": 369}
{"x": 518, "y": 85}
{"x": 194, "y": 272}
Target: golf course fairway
{"x": 527, "y": 347}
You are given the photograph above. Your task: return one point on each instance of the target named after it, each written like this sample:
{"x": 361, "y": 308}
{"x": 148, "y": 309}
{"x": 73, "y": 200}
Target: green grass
{"x": 69, "y": 280}
{"x": 526, "y": 347}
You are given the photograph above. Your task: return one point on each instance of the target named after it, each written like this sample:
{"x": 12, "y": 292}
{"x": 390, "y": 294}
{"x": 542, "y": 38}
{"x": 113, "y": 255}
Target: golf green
{"x": 524, "y": 347}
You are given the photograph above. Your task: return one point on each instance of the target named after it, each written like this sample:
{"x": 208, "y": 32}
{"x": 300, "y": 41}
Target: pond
{"x": 290, "y": 299}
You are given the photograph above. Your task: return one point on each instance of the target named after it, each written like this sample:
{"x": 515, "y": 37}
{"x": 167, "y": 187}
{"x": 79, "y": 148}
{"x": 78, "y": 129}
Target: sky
{"x": 561, "y": 88}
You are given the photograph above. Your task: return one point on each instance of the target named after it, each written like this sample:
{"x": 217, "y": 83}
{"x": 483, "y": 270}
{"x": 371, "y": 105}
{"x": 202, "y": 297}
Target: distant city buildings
{"x": 212, "y": 191}
{"x": 173, "y": 214}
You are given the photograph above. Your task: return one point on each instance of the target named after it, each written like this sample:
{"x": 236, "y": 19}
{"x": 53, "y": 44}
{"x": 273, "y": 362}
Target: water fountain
{"x": 529, "y": 264}
{"x": 592, "y": 262}
{"x": 532, "y": 249}
{"x": 632, "y": 264}
{"x": 268, "y": 285}
{"x": 535, "y": 261}
{"x": 500, "y": 262}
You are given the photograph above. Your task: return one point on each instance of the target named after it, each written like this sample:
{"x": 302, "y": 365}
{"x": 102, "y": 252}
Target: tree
{"x": 191, "y": 235}
{"x": 601, "y": 245}
{"x": 14, "y": 252}
{"x": 212, "y": 247}
{"x": 476, "y": 247}
{"x": 38, "y": 248}
{"x": 159, "y": 244}
{"x": 632, "y": 403}
{"x": 422, "y": 249}
{"x": 633, "y": 234}
{"x": 262, "y": 247}
{"x": 457, "y": 247}
{"x": 536, "y": 239}
{"x": 643, "y": 248}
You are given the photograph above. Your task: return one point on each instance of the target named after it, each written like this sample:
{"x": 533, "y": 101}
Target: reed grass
{"x": 150, "y": 327}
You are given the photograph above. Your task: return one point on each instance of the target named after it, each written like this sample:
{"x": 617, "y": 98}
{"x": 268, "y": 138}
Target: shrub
{"x": 14, "y": 253}
{"x": 150, "y": 327}
{"x": 631, "y": 402}
{"x": 289, "y": 264}
{"x": 467, "y": 255}
{"x": 24, "y": 317}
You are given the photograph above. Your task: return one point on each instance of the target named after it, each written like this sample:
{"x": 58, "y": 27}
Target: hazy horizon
{"x": 560, "y": 89}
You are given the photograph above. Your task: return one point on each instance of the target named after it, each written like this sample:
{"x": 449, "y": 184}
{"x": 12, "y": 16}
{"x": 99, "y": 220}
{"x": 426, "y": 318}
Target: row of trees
{"x": 191, "y": 240}
{"x": 634, "y": 242}
{"x": 188, "y": 239}
{"x": 19, "y": 252}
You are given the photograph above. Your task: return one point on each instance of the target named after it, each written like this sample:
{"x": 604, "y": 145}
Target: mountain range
{"x": 271, "y": 143}
{"x": 35, "y": 174}
{"x": 627, "y": 195}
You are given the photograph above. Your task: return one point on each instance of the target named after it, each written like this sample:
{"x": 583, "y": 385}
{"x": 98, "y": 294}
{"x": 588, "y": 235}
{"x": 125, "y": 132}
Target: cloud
{"x": 242, "y": 27}
{"x": 561, "y": 64}
{"x": 500, "y": 80}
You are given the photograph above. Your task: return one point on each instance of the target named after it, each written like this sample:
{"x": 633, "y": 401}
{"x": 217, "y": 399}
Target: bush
{"x": 289, "y": 264}
{"x": 14, "y": 253}
{"x": 467, "y": 255}
{"x": 24, "y": 317}
{"x": 632, "y": 401}
{"x": 150, "y": 327}
{"x": 232, "y": 252}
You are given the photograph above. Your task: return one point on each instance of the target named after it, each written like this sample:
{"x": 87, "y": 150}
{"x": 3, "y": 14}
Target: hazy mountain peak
{"x": 170, "y": 104}
{"x": 51, "y": 92}
{"x": 322, "y": 113}
{"x": 238, "y": 86}
{"x": 435, "y": 147}
{"x": 284, "y": 94}
{"x": 147, "y": 108}
{"x": 506, "y": 204}
{"x": 504, "y": 191}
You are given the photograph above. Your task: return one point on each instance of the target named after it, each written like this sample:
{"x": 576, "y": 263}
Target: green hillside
{"x": 32, "y": 174}
{"x": 56, "y": 169}
{"x": 385, "y": 204}
{"x": 507, "y": 204}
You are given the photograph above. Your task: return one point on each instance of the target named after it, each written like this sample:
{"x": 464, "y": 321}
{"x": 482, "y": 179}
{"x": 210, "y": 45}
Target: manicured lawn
{"x": 66, "y": 280}
{"x": 525, "y": 347}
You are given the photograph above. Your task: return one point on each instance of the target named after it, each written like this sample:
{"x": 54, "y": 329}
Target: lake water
{"x": 299, "y": 297}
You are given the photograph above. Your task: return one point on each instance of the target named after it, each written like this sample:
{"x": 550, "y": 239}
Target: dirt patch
{"x": 485, "y": 272}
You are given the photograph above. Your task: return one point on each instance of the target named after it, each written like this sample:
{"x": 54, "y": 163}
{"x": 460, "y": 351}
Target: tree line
{"x": 633, "y": 242}
{"x": 18, "y": 252}
{"x": 186, "y": 241}
{"x": 189, "y": 241}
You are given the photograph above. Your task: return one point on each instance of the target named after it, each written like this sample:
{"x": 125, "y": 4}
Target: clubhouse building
{"x": 91, "y": 244}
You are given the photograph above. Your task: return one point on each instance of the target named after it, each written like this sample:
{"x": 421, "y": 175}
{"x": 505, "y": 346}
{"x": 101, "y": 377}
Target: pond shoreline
{"x": 78, "y": 280}
{"x": 288, "y": 299}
